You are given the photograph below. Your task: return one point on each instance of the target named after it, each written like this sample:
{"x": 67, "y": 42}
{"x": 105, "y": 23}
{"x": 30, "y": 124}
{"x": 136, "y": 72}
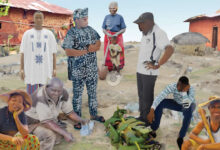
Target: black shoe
{"x": 153, "y": 134}
{"x": 179, "y": 142}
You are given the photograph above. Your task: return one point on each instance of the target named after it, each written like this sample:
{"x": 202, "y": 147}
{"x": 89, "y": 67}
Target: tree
{"x": 4, "y": 7}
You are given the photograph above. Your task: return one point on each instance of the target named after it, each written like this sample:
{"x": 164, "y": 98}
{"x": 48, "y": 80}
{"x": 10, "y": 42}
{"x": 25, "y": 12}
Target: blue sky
{"x": 168, "y": 14}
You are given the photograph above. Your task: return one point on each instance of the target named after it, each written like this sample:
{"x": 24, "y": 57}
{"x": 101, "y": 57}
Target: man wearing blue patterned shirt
{"x": 81, "y": 44}
{"x": 183, "y": 101}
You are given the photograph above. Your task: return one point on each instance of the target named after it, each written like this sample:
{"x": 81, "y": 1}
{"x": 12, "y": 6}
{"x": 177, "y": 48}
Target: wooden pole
{"x": 202, "y": 113}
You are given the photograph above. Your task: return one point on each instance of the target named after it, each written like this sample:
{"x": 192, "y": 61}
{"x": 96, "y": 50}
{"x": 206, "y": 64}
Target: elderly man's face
{"x": 113, "y": 9}
{"x": 146, "y": 26}
{"x": 54, "y": 91}
{"x": 215, "y": 111}
{"x": 38, "y": 19}
{"x": 82, "y": 22}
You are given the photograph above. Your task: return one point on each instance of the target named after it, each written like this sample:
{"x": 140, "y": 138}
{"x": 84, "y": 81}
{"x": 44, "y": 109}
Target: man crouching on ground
{"x": 48, "y": 101}
{"x": 183, "y": 101}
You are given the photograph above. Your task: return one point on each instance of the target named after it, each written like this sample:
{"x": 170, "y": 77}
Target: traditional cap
{"x": 80, "y": 13}
{"x": 26, "y": 97}
{"x": 145, "y": 16}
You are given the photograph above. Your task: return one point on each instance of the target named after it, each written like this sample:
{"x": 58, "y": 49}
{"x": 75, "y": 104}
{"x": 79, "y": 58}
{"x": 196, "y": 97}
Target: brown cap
{"x": 145, "y": 16}
{"x": 26, "y": 96}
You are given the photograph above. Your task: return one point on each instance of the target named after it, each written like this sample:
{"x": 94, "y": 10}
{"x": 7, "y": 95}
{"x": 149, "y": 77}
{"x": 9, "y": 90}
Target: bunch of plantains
{"x": 127, "y": 133}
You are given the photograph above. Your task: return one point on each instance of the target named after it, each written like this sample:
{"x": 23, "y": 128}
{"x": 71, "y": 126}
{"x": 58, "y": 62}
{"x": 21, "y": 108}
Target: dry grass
{"x": 110, "y": 97}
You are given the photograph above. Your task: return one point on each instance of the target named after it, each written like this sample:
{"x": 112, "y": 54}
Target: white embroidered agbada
{"x": 38, "y": 47}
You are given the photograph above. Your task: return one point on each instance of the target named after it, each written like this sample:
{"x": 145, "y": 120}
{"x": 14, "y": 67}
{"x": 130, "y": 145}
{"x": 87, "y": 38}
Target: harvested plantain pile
{"x": 128, "y": 133}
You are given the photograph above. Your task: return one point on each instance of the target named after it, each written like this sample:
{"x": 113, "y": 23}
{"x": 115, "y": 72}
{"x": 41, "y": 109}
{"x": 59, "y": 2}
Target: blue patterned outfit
{"x": 82, "y": 69}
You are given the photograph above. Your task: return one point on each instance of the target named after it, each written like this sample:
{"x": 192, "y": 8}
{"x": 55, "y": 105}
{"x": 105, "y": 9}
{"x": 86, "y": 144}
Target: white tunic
{"x": 38, "y": 47}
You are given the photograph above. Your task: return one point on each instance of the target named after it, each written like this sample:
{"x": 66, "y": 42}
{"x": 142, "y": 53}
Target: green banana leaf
{"x": 111, "y": 121}
{"x": 113, "y": 134}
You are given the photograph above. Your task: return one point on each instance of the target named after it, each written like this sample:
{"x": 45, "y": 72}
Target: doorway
{"x": 214, "y": 37}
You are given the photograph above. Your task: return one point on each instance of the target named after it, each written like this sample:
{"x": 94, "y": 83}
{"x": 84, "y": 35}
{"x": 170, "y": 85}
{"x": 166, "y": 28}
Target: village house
{"x": 207, "y": 25}
{"x": 20, "y": 19}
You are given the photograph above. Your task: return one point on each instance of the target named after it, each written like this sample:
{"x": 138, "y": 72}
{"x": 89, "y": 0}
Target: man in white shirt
{"x": 153, "y": 43}
{"x": 38, "y": 55}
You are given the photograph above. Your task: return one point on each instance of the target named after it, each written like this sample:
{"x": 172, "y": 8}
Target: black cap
{"x": 145, "y": 16}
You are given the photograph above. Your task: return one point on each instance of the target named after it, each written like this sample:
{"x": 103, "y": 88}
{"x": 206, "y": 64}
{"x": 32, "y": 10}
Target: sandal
{"x": 77, "y": 126}
{"x": 98, "y": 118}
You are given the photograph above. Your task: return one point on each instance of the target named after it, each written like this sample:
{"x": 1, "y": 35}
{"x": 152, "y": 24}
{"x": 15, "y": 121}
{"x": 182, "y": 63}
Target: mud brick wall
{"x": 16, "y": 15}
{"x": 205, "y": 27}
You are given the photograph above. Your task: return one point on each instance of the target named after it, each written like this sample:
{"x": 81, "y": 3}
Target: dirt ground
{"x": 203, "y": 72}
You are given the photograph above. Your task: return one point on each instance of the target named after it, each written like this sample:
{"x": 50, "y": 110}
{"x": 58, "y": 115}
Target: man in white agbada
{"x": 38, "y": 55}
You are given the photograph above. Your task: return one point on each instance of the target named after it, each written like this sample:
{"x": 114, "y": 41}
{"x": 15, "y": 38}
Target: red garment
{"x": 108, "y": 59}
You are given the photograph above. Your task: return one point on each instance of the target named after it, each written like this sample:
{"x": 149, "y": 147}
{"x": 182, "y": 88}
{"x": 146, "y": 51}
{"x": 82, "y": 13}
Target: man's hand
{"x": 152, "y": 66}
{"x": 69, "y": 137}
{"x": 22, "y": 74}
{"x": 91, "y": 48}
{"x": 54, "y": 73}
{"x": 150, "y": 116}
{"x": 94, "y": 47}
{"x": 17, "y": 140}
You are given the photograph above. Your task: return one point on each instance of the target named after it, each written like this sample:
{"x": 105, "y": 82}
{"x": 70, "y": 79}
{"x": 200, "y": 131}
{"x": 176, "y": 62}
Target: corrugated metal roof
{"x": 217, "y": 14}
{"x": 39, "y": 5}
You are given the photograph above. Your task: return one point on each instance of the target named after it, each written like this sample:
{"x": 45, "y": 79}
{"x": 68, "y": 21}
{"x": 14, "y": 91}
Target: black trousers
{"x": 145, "y": 86}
